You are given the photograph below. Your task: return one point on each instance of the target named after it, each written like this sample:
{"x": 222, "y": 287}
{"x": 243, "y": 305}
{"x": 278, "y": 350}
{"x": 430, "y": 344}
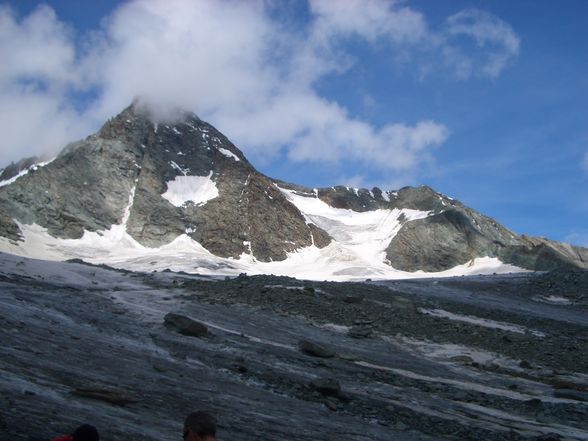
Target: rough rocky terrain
{"x": 480, "y": 358}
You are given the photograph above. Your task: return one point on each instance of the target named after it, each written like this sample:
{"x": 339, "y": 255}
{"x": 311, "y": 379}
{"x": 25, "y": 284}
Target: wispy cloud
{"x": 234, "y": 64}
{"x": 497, "y": 41}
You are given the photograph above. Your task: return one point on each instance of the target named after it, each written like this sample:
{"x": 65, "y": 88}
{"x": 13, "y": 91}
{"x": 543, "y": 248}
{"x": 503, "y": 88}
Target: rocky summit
{"x": 161, "y": 181}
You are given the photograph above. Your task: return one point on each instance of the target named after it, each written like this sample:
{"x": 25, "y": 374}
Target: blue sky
{"x": 485, "y": 101}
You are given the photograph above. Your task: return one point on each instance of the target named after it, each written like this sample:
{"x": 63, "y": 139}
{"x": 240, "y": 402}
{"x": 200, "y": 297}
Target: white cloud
{"x": 496, "y": 38}
{"x": 34, "y": 123}
{"x": 38, "y": 48}
{"x": 206, "y": 54}
{"x": 38, "y": 67}
{"x": 233, "y": 64}
{"x": 369, "y": 19}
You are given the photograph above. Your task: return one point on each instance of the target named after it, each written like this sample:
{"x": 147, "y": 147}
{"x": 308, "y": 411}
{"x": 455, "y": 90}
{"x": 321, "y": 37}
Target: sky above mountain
{"x": 483, "y": 100}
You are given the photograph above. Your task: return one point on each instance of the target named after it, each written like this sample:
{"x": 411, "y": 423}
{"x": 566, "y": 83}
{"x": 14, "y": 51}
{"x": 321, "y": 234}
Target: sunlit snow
{"x": 196, "y": 189}
{"x": 228, "y": 153}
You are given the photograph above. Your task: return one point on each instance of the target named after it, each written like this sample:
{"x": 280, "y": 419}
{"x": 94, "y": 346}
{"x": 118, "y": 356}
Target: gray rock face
{"x": 453, "y": 234}
{"x": 126, "y": 167}
{"x": 86, "y": 187}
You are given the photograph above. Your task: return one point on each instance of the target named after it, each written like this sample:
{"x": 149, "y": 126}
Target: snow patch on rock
{"x": 196, "y": 189}
{"x": 228, "y": 153}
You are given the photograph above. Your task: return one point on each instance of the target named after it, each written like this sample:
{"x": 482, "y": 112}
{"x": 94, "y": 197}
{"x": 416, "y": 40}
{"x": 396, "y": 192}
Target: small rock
{"x": 326, "y": 386}
{"x": 241, "y": 368}
{"x": 331, "y": 404}
{"x": 460, "y": 396}
{"x": 315, "y": 349}
{"x": 185, "y": 325}
{"x": 360, "y": 332}
{"x": 525, "y": 364}
{"x": 535, "y": 402}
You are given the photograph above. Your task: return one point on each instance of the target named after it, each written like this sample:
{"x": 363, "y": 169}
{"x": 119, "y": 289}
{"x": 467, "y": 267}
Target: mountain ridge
{"x": 167, "y": 180}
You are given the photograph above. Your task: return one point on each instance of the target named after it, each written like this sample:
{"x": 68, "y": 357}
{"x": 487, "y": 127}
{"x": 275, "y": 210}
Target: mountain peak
{"x": 141, "y": 184}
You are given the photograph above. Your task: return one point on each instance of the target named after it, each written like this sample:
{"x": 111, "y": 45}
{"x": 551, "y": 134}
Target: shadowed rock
{"x": 315, "y": 349}
{"x": 185, "y": 325}
{"x": 360, "y": 332}
{"x": 326, "y": 386}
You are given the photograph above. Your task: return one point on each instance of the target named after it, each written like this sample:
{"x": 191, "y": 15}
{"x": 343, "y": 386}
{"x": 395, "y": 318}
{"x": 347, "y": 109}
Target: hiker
{"x": 85, "y": 432}
{"x": 200, "y": 426}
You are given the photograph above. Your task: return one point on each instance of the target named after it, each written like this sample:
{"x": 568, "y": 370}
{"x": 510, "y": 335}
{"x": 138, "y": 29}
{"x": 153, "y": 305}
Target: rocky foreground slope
{"x": 160, "y": 181}
{"x": 486, "y": 358}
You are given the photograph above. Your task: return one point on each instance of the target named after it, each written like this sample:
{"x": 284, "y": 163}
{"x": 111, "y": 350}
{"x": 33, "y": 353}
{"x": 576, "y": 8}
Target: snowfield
{"x": 357, "y": 252}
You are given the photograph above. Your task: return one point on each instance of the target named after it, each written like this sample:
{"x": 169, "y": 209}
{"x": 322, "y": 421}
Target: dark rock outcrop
{"x": 185, "y": 325}
{"x": 315, "y": 349}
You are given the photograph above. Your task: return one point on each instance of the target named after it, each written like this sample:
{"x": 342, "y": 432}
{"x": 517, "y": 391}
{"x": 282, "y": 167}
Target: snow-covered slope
{"x": 357, "y": 252}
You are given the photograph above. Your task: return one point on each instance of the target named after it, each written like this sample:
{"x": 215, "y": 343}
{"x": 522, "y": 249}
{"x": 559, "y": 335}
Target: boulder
{"x": 326, "y": 386}
{"x": 185, "y": 325}
{"x": 315, "y": 349}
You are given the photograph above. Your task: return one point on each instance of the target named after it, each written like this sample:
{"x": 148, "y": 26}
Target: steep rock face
{"x": 126, "y": 168}
{"x": 544, "y": 255}
{"x": 85, "y": 188}
{"x": 444, "y": 240}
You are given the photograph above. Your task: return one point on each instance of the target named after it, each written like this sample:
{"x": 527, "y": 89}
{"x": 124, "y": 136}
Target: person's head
{"x": 200, "y": 426}
{"x": 85, "y": 433}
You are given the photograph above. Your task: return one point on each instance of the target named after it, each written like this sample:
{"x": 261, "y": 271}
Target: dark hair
{"x": 86, "y": 433}
{"x": 202, "y": 424}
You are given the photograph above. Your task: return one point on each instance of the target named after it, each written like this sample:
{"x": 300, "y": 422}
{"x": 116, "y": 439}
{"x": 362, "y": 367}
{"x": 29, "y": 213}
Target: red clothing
{"x": 63, "y": 438}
